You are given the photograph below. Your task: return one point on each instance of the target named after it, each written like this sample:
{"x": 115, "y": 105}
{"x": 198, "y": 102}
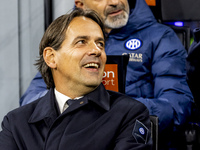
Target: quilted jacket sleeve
{"x": 172, "y": 97}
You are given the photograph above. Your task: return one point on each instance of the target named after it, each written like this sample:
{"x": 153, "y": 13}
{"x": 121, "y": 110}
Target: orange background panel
{"x": 151, "y": 2}
{"x": 110, "y": 79}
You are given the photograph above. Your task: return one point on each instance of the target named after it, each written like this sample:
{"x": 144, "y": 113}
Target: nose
{"x": 113, "y": 2}
{"x": 94, "y": 50}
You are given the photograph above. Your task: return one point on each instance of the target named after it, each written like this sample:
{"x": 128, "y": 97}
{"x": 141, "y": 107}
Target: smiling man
{"x": 77, "y": 113}
{"x": 79, "y": 62}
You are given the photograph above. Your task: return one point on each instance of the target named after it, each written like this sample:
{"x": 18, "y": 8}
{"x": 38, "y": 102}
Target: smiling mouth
{"x": 92, "y": 65}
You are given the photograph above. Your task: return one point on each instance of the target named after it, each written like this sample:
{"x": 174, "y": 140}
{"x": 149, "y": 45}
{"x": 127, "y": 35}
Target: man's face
{"x": 81, "y": 59}
{"x": 115, "y": 13}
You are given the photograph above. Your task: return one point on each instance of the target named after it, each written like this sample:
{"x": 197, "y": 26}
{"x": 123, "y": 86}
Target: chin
{"x": 93, "y": 84}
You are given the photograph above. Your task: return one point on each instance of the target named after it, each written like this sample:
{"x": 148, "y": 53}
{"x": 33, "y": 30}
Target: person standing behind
{"x": 156, "y": 74}
{"x": 77, "y": 113}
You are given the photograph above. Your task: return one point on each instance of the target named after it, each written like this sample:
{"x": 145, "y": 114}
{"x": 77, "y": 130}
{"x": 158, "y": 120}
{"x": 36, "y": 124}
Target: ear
{"x": 79, "y": 3}
{"x": 49, "y": 57}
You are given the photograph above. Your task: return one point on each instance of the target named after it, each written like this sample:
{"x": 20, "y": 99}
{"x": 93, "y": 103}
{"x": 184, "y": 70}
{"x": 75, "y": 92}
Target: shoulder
{"x": 125, "y": 102}
{"x": 159, "y": 30}
{"x": 23, "y": 112}
{"x": 128, "y": 109}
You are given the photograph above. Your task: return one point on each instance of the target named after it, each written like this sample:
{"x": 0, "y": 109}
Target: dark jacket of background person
{"x": 156, "y": 73}
{"x": 109, "y": 121}
{"x": 193, "y": 79}
{"x": 193, "y": 67}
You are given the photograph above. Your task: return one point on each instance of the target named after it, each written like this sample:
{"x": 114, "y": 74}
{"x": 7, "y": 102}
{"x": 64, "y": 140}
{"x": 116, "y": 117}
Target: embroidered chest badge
{"x": 140, "y": 132}
{"x": 133, "y": 44}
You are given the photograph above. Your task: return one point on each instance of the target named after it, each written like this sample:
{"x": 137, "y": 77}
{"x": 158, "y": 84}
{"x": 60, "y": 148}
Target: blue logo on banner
{"x": 133, "y": 44}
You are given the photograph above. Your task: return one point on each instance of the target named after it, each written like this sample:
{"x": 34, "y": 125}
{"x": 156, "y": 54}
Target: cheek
{"x": 68, "y": 56}
{"x": 104, "y": 57}
{"x": 100, "y": 9}
{"x": 64, "y": 61}
{"x": 73, "y": 61}
{"x": 102, "y": 13}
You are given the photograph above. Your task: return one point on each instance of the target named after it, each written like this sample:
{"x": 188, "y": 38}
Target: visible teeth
{"x": 91, "y": 65}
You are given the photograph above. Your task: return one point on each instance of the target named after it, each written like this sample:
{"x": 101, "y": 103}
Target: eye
{"x": 81, "y": 42}
{"x": 100, "y": 44}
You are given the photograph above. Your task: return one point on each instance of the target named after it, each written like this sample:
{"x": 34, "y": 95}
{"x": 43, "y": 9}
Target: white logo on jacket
{"x": 133, "y": 44}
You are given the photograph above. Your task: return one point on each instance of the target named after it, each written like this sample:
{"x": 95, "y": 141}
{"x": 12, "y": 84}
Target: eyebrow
{"x": 80, "y": 37}
{"x": 87, "y": 38}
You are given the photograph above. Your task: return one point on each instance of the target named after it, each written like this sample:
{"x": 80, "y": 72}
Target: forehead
{"x": 80, "y": 25}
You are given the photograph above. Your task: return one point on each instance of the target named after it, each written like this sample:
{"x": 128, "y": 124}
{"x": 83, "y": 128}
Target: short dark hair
{"x": 55, "y": 35}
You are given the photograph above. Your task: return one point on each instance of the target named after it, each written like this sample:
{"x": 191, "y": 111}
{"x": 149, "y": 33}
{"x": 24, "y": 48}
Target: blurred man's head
{"x": 72, "y": 54}
{"x": 115, "y": 13}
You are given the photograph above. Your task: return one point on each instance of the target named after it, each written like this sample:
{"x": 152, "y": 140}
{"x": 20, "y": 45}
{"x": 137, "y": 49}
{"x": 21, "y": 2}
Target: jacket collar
{"x": 100, "y": 96}
{"x": 46, "y": 109}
